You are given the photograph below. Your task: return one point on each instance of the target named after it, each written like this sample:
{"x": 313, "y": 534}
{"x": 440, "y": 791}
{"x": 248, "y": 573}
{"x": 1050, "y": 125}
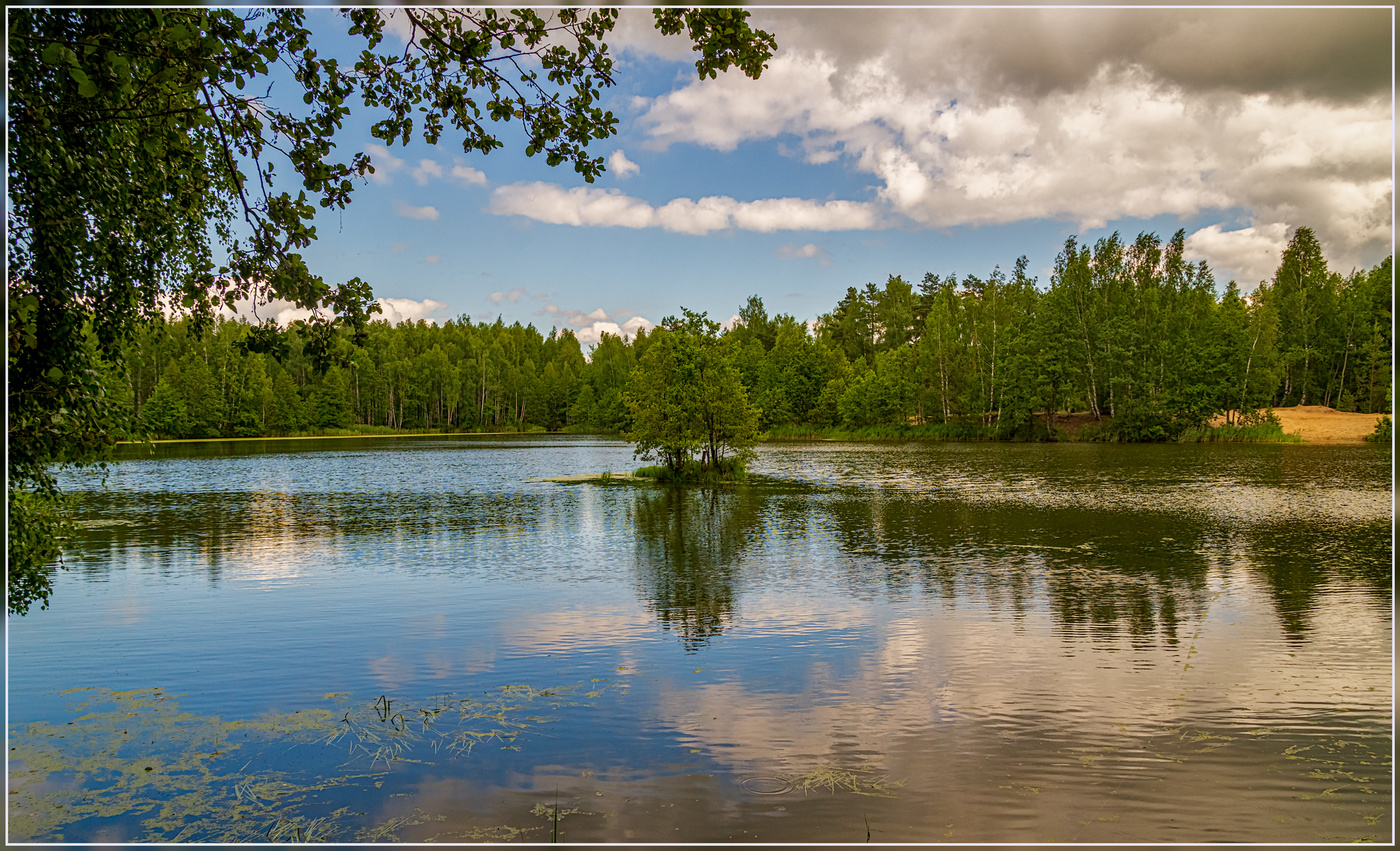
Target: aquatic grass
{"x": 726, "y": 471}
{"x": 834, "y": 779}
{"x": 199, "y": 787}
{"x": 1263, "y": 432}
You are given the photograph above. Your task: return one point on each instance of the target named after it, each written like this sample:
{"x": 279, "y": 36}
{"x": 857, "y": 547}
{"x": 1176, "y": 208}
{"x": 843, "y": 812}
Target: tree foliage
{"x": 687, "y": 400}
{"x": 148, "y": 173}
{"x": 995, "y": 356}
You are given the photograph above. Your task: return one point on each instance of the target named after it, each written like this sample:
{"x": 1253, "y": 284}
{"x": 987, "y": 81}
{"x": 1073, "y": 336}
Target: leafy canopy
{"x": 150, "y": 170}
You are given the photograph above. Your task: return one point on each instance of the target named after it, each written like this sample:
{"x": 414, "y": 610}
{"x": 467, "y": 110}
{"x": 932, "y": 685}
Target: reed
{"x": 1265, "y": 432}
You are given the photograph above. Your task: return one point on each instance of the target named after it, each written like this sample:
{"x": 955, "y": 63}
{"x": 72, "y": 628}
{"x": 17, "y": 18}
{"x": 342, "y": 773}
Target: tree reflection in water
{"x": 689, "y": 542}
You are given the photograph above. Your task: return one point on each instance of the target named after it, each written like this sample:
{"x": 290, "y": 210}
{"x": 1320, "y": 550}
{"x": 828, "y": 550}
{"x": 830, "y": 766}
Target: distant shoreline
{"x": 334, "y": 436}
{"x": 1315, "y": 424}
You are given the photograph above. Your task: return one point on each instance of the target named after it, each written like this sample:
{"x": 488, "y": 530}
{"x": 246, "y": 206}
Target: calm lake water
{"x": 405, "y": 639}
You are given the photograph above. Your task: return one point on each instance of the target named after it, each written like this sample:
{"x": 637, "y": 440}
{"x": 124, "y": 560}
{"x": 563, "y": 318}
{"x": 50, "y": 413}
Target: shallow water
{"x": 356, "y": 639}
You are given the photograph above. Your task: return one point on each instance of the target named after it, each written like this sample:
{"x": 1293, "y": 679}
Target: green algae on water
{"x": 133, "y": 766}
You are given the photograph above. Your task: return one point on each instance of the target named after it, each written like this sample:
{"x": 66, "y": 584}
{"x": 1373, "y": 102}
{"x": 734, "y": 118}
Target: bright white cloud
{"x": 589, "y": 327}
{"x": 399, "y": 310}
{"x": 465, "y": 174}
{"x": 592, "y": 334}
{"x": 394, "y": 310}
{"x": 410, "y": 212}
{"x": 635, "y": 324}
{"x": 281, "y": 311}
{"x": 589, "y": 206}
{"x": 619, "y": 165}
{"x": 1248, "y": 255}
{"x": 384, "y": 163}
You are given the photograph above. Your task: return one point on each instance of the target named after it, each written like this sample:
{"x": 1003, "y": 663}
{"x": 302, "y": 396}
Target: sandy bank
{"x": 1318, "y": 424}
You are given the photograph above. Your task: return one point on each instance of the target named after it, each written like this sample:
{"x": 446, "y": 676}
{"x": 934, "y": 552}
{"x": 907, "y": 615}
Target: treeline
{"x": 1130, "y": 332}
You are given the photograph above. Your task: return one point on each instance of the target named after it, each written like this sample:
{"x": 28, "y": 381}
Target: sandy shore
{"x": 1317, "y": 424}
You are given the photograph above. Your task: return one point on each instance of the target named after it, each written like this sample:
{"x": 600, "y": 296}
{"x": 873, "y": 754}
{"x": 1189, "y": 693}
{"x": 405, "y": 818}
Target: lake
{"x": 405, "y": 639}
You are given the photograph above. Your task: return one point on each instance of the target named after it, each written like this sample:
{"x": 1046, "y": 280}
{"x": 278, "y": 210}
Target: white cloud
{"x": 635, "y": 324}
{"x": 399, "y": 310}
{"x": 792, "y": 251}
{"x": 589, "y": 206}
{"x": 1248, "y": 255}
{"x": 553, "y": 204}
{"x": 588, "y": 327}
{"x": 973, "y": 117}
{"x": 397, "y": 24}
{"x": 619, "y": 165}
{"x": 394, "y": 310}
{"x": 592, "y": 333}
{"x": 384, "y": 163}
{"x": 426, "y": 170}
{"x": 282, "y": 311}
{"x": 467, "y": 175}
{"x": 400, "y": 247}
{"x": 410, "y": 212}
{"x": 512, "y": 296}
{"x": 432, "y": 259}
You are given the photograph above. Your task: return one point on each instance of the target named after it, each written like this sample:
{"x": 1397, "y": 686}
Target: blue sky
{"x": 896, "y": 141}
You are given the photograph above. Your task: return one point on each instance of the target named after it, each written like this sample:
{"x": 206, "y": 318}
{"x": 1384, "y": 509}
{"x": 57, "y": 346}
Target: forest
{"x": 1129, "y": 332}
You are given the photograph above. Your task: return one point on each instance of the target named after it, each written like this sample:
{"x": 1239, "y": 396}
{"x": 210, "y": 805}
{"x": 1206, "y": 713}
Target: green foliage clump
{"x": 689, "y": 407}
{"x": 1226, "y": 433}
{"x": 139, "y": 150}
{"x": 1382, "y": 434}
{"x": 729, "y": 469}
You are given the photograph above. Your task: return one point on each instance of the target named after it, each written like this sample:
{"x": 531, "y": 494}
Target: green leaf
{"x": 54, "y": 373}
{"x": 53, "y": 54}
{"x": 87, "y": 88}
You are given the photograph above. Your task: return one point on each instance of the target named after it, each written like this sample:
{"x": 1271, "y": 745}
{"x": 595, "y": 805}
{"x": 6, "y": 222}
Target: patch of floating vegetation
{"x": 133, "y": 766}
{"x": 596, "y": 478}
{"x": 832, "y": 778}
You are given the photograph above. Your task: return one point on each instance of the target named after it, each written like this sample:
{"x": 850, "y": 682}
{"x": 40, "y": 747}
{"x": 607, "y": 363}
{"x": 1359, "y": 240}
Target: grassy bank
{"x": 1072, "y": 428}
{"x": 728, "y": 470}
{"x": 933, "y": 431}
{"x": 352, "y": 431}
{"x": 1259, "y": 433}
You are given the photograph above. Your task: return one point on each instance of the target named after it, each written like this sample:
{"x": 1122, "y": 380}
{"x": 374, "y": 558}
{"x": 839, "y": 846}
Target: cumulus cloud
{"x": 1248, "y": 255}
{"x": 398, "y": 310}
{"x": 984, "y": 117}
{"x": 384, "y": 163}
{"x": 465, "y": 174}
{"x": 410, "y": 212}
{"x": 427, "y": 170}
{"x": 619, "y": 165}
{"x": 393, "y": 310}
{"x": 591, "y": 206}
{"x": 283, "y": 312}
{"x": 590, "y": 326}
{"x": 791, "y": 251}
